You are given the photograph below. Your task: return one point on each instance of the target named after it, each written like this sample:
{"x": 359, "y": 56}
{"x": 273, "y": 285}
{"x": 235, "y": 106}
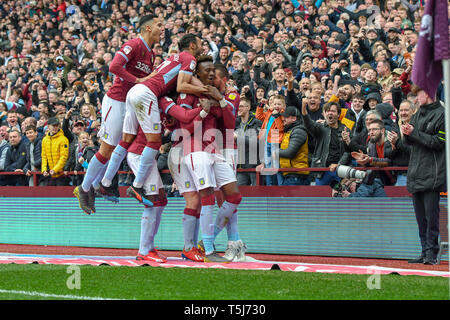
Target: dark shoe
{"x": 430, "y": 261}
{"x": 139, "y": 195}
{"x": 430, "y": 258}
{"x": 91, "y": 199}
{"x": 83, "y": 199}
{"x": 417, "y": 260}
{"x": 110, "y": 193}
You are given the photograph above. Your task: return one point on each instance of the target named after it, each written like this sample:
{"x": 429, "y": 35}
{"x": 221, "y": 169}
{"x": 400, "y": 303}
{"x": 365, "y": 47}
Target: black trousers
{"x": 426, "y": 207}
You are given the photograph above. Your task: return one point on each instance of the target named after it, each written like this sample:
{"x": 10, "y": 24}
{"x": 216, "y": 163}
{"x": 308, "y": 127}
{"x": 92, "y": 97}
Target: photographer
{"x": 379, "y": 154}
{"x": 344, "y": 188}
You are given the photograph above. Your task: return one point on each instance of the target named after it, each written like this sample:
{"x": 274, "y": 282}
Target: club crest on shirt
{"x": 127, "y": 49}
{"x": 192, "y": 65}
{"x": 232, "y": 96}
{"x": 153, "y": 187}
{"x": 156, "y": 126}
{"x": 202, "y": 181}
{"x": 187, "y": 184}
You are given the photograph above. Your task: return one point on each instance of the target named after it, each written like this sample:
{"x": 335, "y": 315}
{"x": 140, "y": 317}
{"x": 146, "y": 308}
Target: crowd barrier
{"x": 298, "y": 220}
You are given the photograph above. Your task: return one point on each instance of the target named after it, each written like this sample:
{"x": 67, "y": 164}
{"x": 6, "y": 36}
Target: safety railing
{"x": 259, "y": 173}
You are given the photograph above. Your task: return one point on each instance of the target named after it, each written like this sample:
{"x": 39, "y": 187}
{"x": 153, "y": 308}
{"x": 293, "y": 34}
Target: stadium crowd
{"x": 332, "y": 76}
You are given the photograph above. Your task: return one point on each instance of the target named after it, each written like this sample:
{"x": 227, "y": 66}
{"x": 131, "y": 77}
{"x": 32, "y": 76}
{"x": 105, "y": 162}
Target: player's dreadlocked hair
{"x": 204, "y": 58}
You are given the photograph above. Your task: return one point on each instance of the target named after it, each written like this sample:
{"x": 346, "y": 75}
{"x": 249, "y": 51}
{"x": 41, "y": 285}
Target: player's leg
{"x": 231, "y": 156}
{"x": 150, "y": 222}
{"x": 151, "y": 217}
{"x": 227, "y": 213}
{"x": 200, "y": 165}
{"x": 147, "y": 112}
{"x": 135, "y": 96}
{"x": 110, "y": 134}
{"x": 191, "y": 215}
{"x": 191, "y": 220}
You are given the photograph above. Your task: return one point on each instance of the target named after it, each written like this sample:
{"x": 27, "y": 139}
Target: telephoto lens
{"x": 350, "y": 173}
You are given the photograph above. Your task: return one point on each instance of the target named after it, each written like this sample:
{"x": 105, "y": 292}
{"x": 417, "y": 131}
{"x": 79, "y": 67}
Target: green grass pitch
{"x": 55, "y": 282}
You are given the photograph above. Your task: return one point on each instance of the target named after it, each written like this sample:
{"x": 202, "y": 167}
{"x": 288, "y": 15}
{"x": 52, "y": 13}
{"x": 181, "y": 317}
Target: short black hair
{"x": 223, "y": 70}
{"x": 186, "y": 40}
{"x": 145, "y": 19}
{"x": 31, "y": 127}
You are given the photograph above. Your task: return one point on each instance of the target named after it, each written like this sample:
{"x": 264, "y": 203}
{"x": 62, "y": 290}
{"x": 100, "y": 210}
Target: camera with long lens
{"x": 347, "y": 172}
{"x": 338, "y": 187}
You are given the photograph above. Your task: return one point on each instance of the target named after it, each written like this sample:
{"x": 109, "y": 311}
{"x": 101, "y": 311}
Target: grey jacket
{"x": 426, "y": 169}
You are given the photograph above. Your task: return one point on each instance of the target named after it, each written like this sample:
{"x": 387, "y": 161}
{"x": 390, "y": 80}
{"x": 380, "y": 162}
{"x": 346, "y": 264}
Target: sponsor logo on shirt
{"x": 143, "y": 67}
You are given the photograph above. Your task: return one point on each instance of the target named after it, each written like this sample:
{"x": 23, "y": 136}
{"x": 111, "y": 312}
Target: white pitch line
{"x": 49, "y": 295}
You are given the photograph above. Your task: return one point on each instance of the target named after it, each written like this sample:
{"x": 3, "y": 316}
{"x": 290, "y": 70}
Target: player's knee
{"x": 100, "y": 157}
{"x": 190, "y": 212}
{"x": 106, "y": 150}
{"x": 125, "y": 144}
{"x": 208, "y": 200}
{"x": 234, "y": 198}
{"x": 154, "y": 144}
{"x": 192, "y": 199}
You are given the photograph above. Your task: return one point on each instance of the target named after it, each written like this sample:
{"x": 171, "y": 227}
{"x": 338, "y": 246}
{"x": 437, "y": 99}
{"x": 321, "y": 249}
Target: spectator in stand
{"x": 81, "y": 156}
{"x": 293, "y": 151}
{"x": 398, "y": 141}
{"x": 246, "y": 136}
{"x": 55, "y": 152}
{"x": 16, "y": 158}
{"x": 4, "y": 146}
{"x": 49, "y": 55}
{"x": 329, "y": 149}
{"x": 379, "y": 154}
{"x": 34, "y": 153}
{"x": 271, "y": 135}
{"x": 12, "y": 120}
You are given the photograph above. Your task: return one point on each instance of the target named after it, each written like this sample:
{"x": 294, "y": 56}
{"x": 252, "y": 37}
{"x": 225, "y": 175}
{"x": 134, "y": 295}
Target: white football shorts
{"x": 180, "y": 174}
{"x": 224, "y": 171}
{"x": 113, "y": 113}
{"x": 200, "y": 166}
{"x": 142, "y": 110}
{"x": 153, "y": 182}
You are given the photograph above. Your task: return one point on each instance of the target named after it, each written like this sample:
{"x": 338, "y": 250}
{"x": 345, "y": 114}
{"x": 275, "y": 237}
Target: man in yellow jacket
{"x": 55, "y": 152}
{"x": 294, "y": 149}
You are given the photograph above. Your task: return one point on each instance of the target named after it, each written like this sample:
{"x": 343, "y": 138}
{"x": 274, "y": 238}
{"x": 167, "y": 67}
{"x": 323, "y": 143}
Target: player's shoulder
{"x": 130, "y": 47}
